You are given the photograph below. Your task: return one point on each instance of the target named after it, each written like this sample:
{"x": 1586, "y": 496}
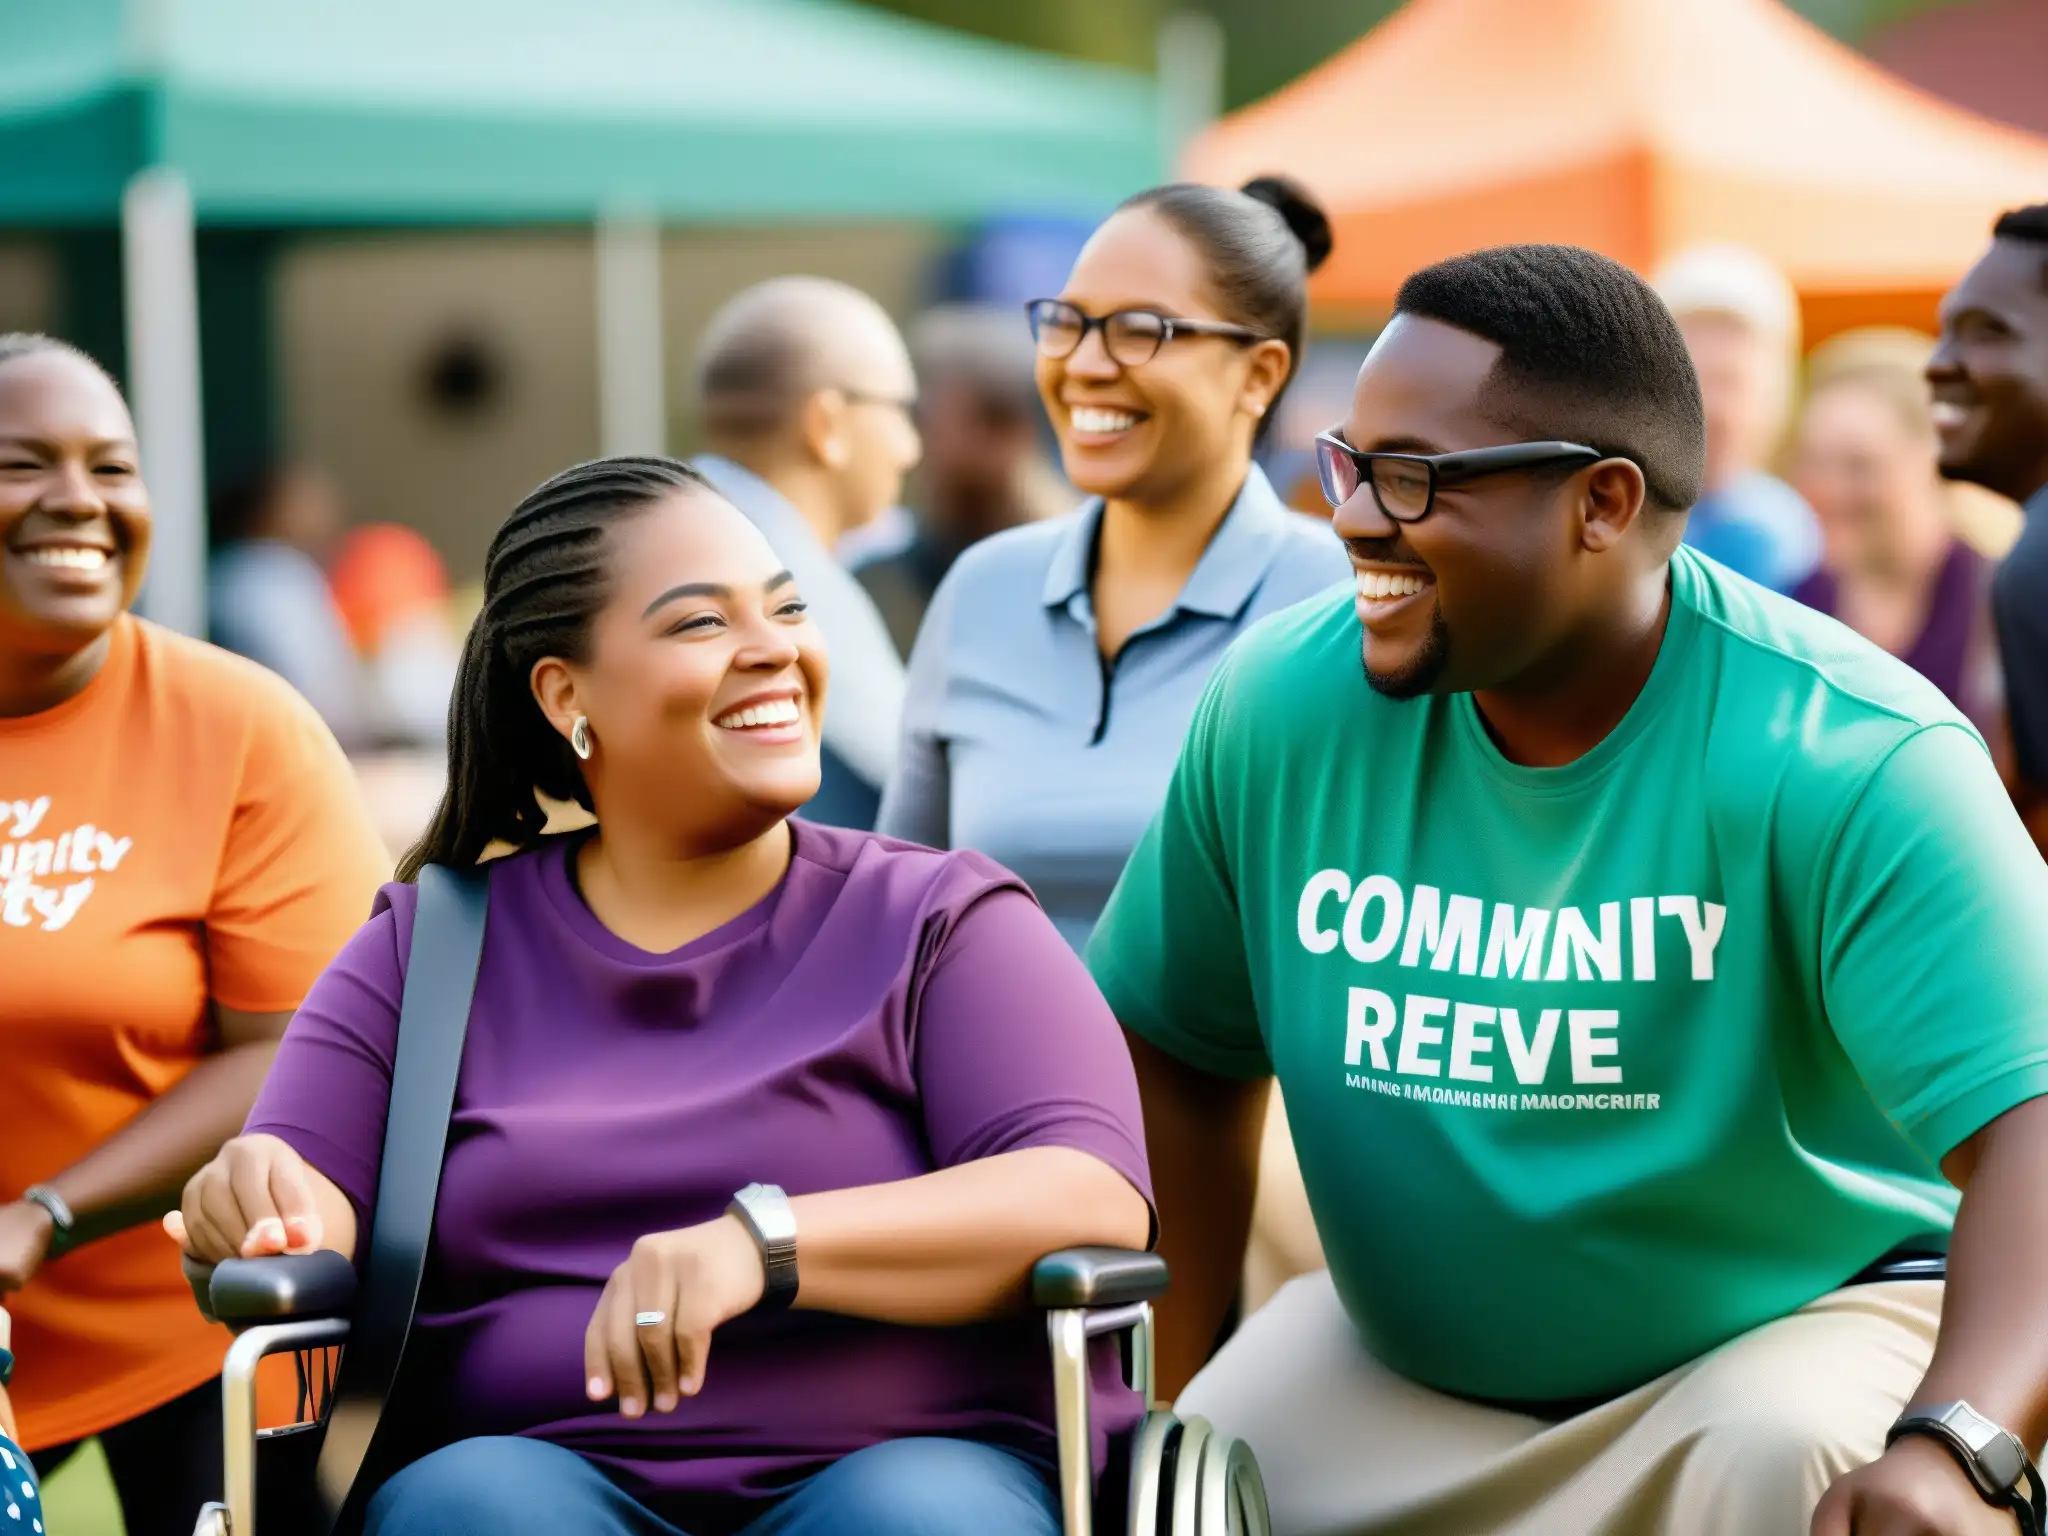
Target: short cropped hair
{"x": 1589, "y": 354}
{"x": 2029, "y": 223}
{"x": 14, "y": 344}
{"x": 769, "y": 347}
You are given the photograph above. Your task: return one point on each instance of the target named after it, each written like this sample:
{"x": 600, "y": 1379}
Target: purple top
{"x": 886, "y": 1011}
{"x": 1941, "y": 652}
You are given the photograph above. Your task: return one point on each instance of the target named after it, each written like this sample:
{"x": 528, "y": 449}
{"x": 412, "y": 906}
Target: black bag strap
{"x": 433, "y": 1020}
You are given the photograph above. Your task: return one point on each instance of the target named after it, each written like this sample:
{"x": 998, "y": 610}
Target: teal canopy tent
{"x": 166, "y": 114}
{"x": 328, "y": 111}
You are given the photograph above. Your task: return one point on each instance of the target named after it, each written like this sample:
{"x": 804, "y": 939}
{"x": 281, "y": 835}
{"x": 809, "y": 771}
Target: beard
{"x": 1422, "y": 673}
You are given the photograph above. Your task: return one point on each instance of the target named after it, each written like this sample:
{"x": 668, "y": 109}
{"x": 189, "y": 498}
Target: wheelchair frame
{"x": 1185, "y": 1479}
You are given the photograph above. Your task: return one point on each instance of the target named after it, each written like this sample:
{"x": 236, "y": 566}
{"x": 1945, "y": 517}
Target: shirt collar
{"x": 1240, "y": 553}
{"x": 765, "y": 507}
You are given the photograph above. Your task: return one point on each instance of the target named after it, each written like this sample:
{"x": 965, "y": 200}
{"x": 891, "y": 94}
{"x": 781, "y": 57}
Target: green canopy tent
{"x": 163, "y": 115}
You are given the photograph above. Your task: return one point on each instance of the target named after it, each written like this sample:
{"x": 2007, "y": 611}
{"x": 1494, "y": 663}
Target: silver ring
{"x": 649, "y": 1319}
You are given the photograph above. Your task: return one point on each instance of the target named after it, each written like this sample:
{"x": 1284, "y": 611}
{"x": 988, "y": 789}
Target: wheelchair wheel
{"x": 1189, "y": 1480}
{"x": 1151, "y": 1468}
{"x": 1233, "y": 1493}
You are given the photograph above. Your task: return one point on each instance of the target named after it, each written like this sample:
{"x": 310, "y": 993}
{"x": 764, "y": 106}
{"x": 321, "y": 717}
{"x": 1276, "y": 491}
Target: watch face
{"x": 769, "y": 1208}
{"x": 1975, "y": 1431}
{"x": 1998, "y": 1455}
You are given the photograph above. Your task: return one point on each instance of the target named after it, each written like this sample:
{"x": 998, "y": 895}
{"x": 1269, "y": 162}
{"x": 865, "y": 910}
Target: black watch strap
{"x": 1997, "y": 1465}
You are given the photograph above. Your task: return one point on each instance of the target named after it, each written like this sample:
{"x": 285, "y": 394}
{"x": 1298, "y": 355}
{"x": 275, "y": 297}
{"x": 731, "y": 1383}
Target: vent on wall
{"x": 463, "y": 378}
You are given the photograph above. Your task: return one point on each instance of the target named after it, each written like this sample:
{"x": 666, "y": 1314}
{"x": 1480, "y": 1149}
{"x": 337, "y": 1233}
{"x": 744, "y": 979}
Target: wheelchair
{"x": 1176, "y": 1477}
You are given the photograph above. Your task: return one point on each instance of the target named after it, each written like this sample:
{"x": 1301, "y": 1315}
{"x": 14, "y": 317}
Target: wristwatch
{"x": 1997, "y": 1464}
{"x": 764, "y": 1210}
{"x": 61, "y": 1219}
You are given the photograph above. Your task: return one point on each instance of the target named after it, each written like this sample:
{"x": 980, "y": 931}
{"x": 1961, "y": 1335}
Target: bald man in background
{"x": 806, "y": 393}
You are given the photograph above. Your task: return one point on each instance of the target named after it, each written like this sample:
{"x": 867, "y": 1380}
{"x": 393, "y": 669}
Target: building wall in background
{"x": 702, "y": 268}
{"x": 29, "y": 284}
{"x": 437, "y": 378}
{"x": 440, "y": 377}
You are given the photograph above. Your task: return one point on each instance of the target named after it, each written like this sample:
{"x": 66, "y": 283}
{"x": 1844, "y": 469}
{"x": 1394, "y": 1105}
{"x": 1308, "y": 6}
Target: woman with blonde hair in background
{"x": 1740, "y": 319}
{"x": 1895, "y": 569}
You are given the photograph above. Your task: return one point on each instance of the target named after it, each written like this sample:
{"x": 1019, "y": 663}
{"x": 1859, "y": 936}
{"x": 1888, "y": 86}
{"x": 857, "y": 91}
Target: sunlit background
{"x": 422, "y": 253}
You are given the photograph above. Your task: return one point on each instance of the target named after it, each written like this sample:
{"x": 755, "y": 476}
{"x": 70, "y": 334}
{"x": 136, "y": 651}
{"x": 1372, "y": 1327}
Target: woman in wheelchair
{"x": 698, "y": 997}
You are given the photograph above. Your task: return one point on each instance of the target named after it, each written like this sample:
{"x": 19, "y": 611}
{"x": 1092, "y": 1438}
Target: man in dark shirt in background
{"x": 983, "y": 468}
{"x": 1990, "y": 381}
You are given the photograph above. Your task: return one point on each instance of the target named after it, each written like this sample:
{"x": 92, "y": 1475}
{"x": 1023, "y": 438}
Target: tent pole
{"x": 631, "y": 384}
{"x": 1190, "y": 63}
{"x": 159, "y": 267}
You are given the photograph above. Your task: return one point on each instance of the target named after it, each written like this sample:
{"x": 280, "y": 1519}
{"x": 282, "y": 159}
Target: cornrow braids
{"x": 545, "y": 579}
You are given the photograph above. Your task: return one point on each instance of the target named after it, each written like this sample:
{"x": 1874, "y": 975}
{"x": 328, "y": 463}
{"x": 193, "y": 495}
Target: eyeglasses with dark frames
{"x": 1131, "y": 337}
{"x": 1405, "y": 484}
{"x": 907, "y": 404}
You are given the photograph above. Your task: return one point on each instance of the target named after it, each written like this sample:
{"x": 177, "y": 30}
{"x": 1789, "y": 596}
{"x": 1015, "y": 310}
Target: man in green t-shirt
{"x": 1646, "y": 961}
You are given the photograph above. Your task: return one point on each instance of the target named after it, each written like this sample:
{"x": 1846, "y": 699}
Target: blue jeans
{"x": 513, "y": 1486}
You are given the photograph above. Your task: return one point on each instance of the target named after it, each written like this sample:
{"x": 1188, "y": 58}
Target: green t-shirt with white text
{"x": 1592, "y": 1068}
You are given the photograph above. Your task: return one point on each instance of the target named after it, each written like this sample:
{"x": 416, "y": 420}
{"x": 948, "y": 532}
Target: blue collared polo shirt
{"x": 1022, "y": 742}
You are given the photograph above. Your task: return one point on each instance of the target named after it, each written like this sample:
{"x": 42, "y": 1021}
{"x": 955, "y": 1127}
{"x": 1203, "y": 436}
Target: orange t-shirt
{"x": 182, "y": 831}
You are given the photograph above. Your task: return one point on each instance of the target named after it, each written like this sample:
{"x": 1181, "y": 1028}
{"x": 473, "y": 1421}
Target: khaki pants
{"x": 1739, "y": 1443}
{"x": 1283, "y": 1241}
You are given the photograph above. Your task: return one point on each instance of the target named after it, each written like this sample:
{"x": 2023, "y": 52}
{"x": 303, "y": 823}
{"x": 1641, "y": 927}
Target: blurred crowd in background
{"x": 375, "y": 393}
{"x": 1822, "y": 485}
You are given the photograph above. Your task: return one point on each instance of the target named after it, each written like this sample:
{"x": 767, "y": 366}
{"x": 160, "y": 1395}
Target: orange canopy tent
{"x": 1639, "y": 128}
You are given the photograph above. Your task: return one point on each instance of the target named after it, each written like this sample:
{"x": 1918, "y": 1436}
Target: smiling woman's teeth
{"x": 781, "y": 712}
{"x": 1946, "y": 414}
{"x": 68, "y": 559}
{"x": 1090, "y": 419}
{"x": 1379, "y": 584}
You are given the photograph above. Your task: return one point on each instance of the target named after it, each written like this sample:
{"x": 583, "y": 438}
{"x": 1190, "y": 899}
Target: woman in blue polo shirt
{"x": 1060, "y": 662}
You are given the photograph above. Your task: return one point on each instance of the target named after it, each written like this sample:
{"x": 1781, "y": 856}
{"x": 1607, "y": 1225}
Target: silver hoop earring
{"x": 579, "y": 737}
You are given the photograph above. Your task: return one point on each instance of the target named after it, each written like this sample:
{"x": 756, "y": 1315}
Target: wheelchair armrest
{"x": 282, "y": 1288}
{"x": 1097, "y": 1277}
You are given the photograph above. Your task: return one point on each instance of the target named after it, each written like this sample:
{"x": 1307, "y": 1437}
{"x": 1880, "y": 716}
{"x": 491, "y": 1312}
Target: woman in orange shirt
{"x": 182, "y": 849}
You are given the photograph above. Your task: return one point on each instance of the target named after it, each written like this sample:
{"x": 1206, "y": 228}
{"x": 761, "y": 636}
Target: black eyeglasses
{"x": 1130, "y": 336}
{"x": 906, "y": 404}
{"x": 1405, "y": 484}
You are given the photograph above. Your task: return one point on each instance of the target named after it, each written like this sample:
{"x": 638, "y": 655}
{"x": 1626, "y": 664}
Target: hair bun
{"x": 1303, "y": 214}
